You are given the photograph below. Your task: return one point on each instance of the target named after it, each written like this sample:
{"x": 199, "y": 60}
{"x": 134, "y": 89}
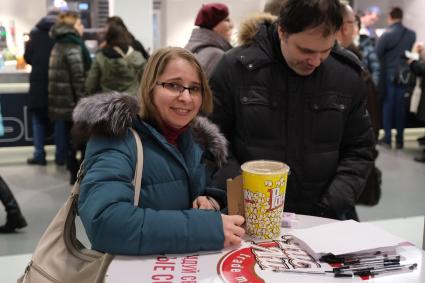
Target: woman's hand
{"x": 233, "y": 232}
{"x": 205, "y": 202}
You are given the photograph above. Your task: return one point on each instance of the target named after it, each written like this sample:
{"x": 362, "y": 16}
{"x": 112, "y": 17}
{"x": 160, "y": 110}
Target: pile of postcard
{"x": 355, "y": 249}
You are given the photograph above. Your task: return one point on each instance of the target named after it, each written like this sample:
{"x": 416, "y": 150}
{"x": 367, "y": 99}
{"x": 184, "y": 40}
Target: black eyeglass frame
{"x": 182, "y": 88}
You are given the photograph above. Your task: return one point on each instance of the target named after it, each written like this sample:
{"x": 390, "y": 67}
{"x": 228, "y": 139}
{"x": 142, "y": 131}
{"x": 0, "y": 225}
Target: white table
{"x": 240, "y": 265}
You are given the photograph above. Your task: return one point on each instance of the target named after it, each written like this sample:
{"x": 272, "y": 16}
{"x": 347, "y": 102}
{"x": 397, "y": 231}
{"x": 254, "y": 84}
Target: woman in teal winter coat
{"x": 178, "y": 212}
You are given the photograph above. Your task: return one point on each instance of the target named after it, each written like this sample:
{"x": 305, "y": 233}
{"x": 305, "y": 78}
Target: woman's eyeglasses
{"x": 179, "y": 89}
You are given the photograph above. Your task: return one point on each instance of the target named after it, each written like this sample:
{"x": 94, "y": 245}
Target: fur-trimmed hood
{"x": 110, "y": 114}
{"x": 251, "y": 25}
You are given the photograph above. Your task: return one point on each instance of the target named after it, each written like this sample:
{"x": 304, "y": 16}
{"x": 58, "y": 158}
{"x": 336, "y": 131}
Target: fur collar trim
{"x": 110, "y": 114}
{"x": 251, "y": 25}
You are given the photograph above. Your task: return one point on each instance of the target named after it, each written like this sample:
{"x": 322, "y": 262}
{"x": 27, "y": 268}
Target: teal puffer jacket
{"x": 172, "y": 178}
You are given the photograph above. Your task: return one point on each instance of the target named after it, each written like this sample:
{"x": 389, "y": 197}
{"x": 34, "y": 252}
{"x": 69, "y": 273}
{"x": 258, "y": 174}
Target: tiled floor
{"x": 403, "y": 185}
{"x": 42, "y": 190}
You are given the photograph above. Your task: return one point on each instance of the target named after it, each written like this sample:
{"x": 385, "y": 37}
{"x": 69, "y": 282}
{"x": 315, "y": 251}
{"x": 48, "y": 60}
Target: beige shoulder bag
{"x": 59, "y": 255}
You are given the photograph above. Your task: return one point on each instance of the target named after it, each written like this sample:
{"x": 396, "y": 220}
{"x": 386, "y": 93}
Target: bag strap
{"x": 137, "y": 180}
{"x": 120, "y": 52}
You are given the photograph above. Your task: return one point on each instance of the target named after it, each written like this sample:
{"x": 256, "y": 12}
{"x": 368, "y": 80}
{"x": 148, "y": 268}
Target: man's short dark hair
{"x": 396, "y": 13}
{"x": 299, "y": 15}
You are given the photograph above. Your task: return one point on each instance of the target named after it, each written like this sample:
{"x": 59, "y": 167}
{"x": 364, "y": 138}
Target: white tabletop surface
{"x": 141, "y": 269}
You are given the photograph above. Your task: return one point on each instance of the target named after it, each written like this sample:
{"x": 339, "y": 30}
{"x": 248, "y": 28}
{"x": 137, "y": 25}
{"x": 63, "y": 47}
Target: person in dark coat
{"x": 212, "y": 37}
{"x": 418, "y": 68}
{"x": 14, "y": 218}
{"x": 37, "y": 54}
{"x": 293, "y": 96}
{"x": 390, "y": 49}
{"x": 345, "y": 36}
{"x": 370, "y": 58}
{"x": 178, "y": 212}
{"x": 69, "y": 62}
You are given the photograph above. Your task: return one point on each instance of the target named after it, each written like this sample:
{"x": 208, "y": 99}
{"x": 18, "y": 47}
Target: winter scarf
{"x": 73, "y": 38}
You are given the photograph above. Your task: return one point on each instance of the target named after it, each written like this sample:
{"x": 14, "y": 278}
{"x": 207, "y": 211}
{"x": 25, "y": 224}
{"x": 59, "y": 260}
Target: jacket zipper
{"x": 185, "y": 168}
{"x": 40, "y": 271}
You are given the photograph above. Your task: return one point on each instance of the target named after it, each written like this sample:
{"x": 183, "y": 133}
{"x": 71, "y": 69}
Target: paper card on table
{"x": 345, "y": 237}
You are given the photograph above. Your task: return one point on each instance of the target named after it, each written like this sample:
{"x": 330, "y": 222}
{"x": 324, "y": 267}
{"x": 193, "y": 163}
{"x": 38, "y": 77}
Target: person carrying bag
{"x": 403, "y": 75}
{"x": 180, "y": 211}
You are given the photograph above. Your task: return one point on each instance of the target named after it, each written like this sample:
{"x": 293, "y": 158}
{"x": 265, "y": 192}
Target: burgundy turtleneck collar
{"x": 172, "y": 134}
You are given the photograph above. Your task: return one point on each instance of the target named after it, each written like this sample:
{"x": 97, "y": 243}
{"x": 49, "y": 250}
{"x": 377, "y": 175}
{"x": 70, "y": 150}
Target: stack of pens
{"x": 366, "y": 264}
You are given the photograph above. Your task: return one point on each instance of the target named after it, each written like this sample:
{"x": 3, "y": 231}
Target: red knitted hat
{"x": 211, "y": 14}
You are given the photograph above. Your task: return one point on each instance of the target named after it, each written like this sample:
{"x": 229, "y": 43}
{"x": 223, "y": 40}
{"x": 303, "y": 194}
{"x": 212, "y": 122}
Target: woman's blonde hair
{"x": 155, "y": 67}
{"x": 68, "y": 18}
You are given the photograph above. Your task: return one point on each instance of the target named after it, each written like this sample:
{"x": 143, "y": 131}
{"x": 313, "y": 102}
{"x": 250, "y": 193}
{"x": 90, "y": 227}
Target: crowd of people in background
{"x": 63, "y": 72}
{"x": 307, "y": 82}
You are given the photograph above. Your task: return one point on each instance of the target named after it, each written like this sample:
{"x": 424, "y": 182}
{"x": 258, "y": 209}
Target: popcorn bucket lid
{"x": 265, "y": 167}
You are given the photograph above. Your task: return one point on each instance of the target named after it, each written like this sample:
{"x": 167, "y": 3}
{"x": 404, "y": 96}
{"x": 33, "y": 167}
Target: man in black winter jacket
{"x": 37, "y": 54}
{"x": 291, "y": 95}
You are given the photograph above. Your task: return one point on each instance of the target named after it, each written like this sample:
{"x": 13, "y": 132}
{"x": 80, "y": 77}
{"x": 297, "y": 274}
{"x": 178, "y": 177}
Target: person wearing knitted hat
{"x": 212, "y": 36}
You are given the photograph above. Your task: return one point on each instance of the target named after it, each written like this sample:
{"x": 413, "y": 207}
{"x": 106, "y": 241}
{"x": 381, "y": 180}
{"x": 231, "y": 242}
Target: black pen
{"x": 364, "y": 255}
{"x": 331, "y": 258}
{"x": 386, "y": 269}
{"x": 307, "y": 271}
{"x": 351, "y": 259}
{"x": 369, "y": 263}
{"x": 213, "y": 204}
{"x": 365, "y": 267}
{"x": 375, "y": 259}
{"x": 300, "y": 270}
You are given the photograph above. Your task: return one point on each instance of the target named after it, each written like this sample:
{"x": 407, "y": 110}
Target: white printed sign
{"x": 254, "y": 262}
